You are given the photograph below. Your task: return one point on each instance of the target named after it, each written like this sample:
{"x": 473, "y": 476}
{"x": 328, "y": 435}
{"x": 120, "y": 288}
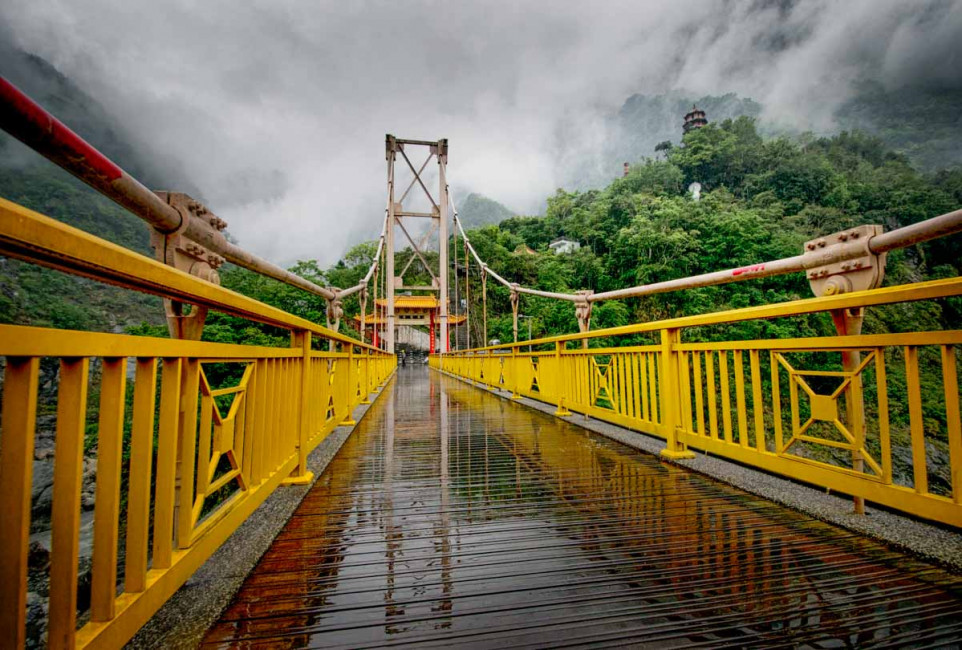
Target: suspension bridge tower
{"x": 398, "y": 219}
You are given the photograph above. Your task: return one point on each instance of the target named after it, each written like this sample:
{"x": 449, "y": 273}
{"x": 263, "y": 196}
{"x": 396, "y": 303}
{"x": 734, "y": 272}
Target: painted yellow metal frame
{"x": 731, "y": 398}
{"x": 213, "y": 464}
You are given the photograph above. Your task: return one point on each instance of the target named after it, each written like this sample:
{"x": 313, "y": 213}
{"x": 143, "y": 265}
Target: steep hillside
{"x": 30, "y": 295}
{"x": 925, "y": 124}
{"x": 477, "y": 210}
{"x": 87, "y": 117}
{"x": 763, "y": 199}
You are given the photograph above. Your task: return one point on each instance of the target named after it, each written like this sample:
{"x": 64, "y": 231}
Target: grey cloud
{"x": 277, "y": 110}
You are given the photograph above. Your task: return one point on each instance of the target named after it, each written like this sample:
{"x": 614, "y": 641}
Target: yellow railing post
{"x": 562, "y": 382}
{"x": 351, "y": 389}
{"x": 16, "y": 470}
{"x": 301, "y": 475}
{"x": 671, "y": 398}
{"x": 514, "y": 373}
{"x": 366, "y": 385}
{"x": 187, "y": 433}
{"x": 848, "y": 322}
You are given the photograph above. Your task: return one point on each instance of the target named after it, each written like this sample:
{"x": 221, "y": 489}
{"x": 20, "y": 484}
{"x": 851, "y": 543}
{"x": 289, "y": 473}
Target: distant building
{"x": 694, "y": 119}
{"x": 562, "y": 246}
{"x": 523, "y": 249}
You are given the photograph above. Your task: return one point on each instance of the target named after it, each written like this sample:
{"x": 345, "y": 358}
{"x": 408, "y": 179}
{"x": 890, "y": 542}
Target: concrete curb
{"x": 185, "y": 618}
{"x": 935, "y": 544}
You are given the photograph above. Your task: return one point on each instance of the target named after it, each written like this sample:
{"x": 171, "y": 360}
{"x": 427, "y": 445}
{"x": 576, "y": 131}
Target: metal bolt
{"x": 846, "y": 266}
{"x": 843, "y": 237}
{"x": 830, "y": 290}
{"x": 855, "y": 234}
{"x": 812, "y": 275}
{"x": 821, "y": 243}
{"x": 810, "y": 246}
{"x": 857, "y": 264}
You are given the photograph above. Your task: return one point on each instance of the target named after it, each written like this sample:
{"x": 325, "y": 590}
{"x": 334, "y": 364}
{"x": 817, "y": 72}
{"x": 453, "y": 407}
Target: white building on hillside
{"x": 562, "y": 246}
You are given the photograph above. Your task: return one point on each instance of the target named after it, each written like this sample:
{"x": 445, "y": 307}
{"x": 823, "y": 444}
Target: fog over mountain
{"x": 275, "y": 113}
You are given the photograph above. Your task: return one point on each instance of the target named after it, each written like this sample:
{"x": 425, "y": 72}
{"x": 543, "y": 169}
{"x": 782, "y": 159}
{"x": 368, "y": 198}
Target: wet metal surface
{"x": 453, "y": 517}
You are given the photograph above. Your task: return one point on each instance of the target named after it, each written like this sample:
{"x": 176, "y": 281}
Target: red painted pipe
{"x": 27, "y": 121}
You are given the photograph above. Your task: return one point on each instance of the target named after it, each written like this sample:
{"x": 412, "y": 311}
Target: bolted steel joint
{"x": 175, "y": 249}
{"x": 335, "y": 310}
{"x": 583, "y": 309}
{"x": 843, "y": 262}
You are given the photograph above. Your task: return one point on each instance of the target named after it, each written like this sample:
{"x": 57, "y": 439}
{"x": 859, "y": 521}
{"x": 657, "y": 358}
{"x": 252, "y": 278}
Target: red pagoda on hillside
{"x": 695, "y": 119}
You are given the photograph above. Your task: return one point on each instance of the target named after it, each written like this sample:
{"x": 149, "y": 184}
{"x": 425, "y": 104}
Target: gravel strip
{"x": 930, "y": 542}
{"x": 183, "y": 620}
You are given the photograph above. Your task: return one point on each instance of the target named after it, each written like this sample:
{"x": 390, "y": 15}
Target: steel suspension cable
{"x": 467, "y": 293}
{"x": 923, "y": 231}
{"x": 457, "y": 299}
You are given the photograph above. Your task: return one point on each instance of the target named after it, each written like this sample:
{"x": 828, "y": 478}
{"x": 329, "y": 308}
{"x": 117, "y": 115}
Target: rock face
{"x": 42, "y": 497}
{"x": 42, "y": 493}
{"x": 36, "y": 620}
{"x": 41, "y": 510}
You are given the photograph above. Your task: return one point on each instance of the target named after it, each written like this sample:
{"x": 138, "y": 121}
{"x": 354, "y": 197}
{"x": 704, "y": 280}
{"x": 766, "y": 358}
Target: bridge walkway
{"x": 452, "y": 516}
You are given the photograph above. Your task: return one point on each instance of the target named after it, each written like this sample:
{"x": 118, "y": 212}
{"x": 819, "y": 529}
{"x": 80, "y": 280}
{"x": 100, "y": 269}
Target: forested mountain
{"x": 923, "y": 123}
{"x": 762, "y": 200}
{"x": 87, "y": 117}
{"x": 31, "y": 295}
{"x": 477, "y": 210}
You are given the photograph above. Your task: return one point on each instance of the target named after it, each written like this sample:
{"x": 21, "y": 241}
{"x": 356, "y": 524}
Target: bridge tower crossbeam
{"x": 397, "y": 217}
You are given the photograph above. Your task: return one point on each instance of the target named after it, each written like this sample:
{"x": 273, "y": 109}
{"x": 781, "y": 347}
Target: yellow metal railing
{"x": 819, "y": 410}
{"x": 209, "y": 430}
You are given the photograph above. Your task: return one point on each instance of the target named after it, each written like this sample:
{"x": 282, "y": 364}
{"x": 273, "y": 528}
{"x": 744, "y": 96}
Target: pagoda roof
{"x": 380, "y": 320}
{"x": 411, "y": 302}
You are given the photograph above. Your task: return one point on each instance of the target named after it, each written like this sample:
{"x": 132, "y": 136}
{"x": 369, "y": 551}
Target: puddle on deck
{"x": 453, "y": 517}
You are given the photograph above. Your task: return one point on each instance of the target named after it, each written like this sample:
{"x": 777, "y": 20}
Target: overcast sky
{"x": 279, "y": 109}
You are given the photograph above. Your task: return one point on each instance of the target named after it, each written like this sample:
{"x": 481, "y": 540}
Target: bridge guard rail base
{"x": 779, "y": 405}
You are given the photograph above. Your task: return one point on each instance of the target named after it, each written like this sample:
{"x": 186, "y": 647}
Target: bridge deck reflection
{"x": 454, "y": 517}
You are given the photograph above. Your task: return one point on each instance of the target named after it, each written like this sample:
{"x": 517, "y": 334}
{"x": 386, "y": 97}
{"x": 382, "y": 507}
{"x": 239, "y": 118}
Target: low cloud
{"x": 277, "y": 111}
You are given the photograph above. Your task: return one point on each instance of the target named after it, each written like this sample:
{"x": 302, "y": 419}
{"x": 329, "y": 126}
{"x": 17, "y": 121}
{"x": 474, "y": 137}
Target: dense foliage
{"x": 477, "y": 210}
{"x": 762, "y": 199}
{"x": 31, "y": 295}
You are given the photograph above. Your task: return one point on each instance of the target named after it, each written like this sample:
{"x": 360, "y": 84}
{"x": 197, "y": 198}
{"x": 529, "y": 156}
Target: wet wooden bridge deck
{"x": 452, "y": 517}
